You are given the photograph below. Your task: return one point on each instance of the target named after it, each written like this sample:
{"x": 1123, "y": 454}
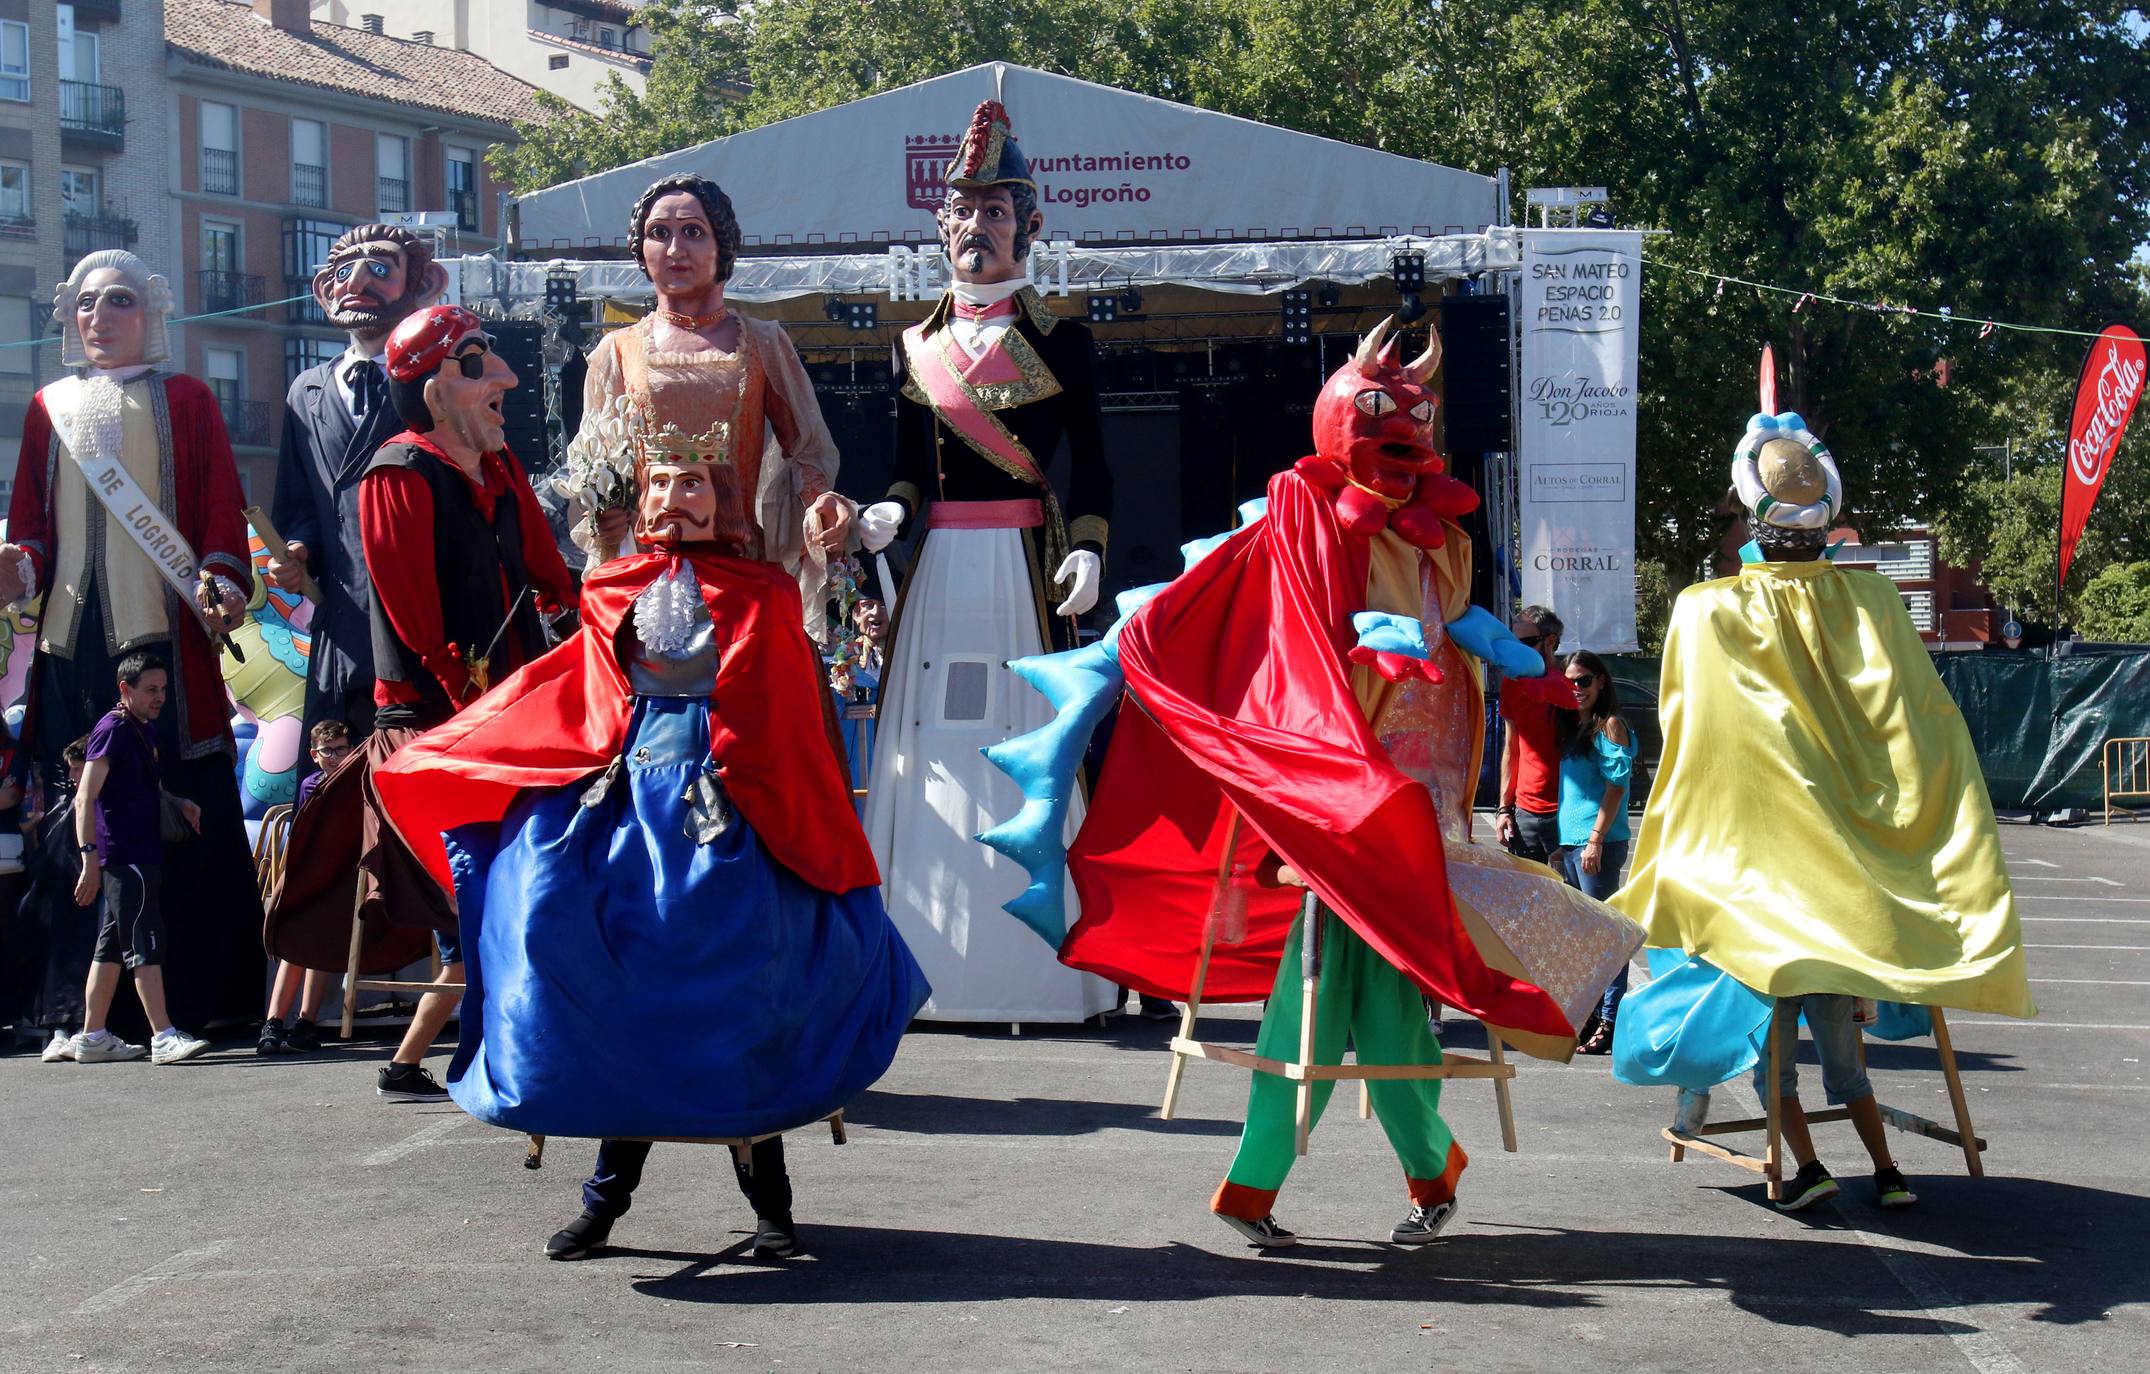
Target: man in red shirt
{"x": 1529, "y": 819}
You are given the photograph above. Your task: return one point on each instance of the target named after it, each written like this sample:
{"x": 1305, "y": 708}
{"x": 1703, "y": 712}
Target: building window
{"x": 463, "y": 188}
{"x": 31, "y": 322}
{"x": 302, "y": 352}
{"x": 78, "y": 191}
{"x": 557, "y": 62}
{"x": 78, "y": 51}
{"x": 220, "y": 246}
{"x": 15, "y": 216}
{"x": 392, "y": 158}
{"x": 226, "y": 366}
{"x": 309, "y": 162}
{"x": 14, "y": 60}
{"x": 608, "y": 38}
{"x": 220, "y": 149}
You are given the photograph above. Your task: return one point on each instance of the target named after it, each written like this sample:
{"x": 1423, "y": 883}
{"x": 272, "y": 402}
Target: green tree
{"x": 2115, "y": 605}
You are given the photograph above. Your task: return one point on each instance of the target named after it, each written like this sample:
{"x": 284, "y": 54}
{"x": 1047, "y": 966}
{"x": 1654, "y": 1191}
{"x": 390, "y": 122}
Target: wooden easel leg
{"x": 1501, "y": 1101}
{"x": 1972, "y": 1161}
{"x": 350, "y": 973}
{"x": 1193, "y": 1007}
{"x": 1773, "y": 1143}
{"x": 1309, "y": 984}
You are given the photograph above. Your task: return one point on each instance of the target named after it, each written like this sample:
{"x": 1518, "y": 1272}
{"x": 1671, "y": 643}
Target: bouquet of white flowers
{"x": 599, "y": 470}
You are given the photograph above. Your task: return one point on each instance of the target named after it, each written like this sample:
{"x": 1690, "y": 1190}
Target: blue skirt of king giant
{"x": 625, "y": 981}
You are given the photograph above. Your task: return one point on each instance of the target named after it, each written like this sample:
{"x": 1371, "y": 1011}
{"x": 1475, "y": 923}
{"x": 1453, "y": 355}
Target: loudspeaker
{"x": 521, "y": 345}
{"x": 1476, "y": 372}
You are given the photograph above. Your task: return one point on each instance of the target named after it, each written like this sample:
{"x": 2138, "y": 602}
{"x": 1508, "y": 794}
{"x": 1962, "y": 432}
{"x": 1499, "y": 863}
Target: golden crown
{"x": 668, "y": 443}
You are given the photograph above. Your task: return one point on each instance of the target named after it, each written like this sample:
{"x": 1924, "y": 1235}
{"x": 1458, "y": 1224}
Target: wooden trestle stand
{"x": 1783, "y": 1039}
{"x": 1303, "y": 1070}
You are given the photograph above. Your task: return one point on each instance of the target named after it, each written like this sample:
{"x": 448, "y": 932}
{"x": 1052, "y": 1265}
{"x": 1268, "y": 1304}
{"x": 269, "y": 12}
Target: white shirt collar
{"x": 122, "y": 375}
{"x": 986, "y": 292}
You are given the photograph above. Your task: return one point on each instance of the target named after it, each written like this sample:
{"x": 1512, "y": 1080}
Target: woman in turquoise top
{"x": 1597, "y": 759}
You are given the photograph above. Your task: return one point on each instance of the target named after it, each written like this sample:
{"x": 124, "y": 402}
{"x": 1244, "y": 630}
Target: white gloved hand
{"x": 878, "y": 523}
{"x": 1087, "y": 571}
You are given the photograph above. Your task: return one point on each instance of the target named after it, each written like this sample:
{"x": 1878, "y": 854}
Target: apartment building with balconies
{"x": 81, "y": 169}
{"x": 284, "y": 130}
{"x": 569, "y": 47}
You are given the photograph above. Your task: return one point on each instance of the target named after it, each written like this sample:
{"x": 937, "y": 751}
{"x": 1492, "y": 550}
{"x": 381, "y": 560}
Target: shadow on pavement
{"x": 941, "y": 1114}
{"x": 2072, "y": 1254}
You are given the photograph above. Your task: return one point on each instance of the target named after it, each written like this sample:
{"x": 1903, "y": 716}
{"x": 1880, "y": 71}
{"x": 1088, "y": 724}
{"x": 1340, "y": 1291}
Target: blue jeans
{"x": 1601, "y": 885}
{"x": 1836, "y": 1040}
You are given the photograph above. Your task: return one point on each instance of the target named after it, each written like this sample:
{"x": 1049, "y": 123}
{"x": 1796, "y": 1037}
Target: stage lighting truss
{"x": 1298, "y": 317}
{"x": 1104, "y": 308}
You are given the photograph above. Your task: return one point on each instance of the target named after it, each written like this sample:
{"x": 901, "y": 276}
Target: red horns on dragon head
{"x": 1374, "y": 446}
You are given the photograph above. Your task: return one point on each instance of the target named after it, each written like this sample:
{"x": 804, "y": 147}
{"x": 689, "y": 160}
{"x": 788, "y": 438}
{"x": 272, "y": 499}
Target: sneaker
{"x": 1889, "y": 1182}
{"x": 1423, "y": 1224}
{"x": 302, "y": 1036}
{"x": 1692, "y": 1112}
{"x": 579, "y": 1237}
{"x": 1262, "y": 1235}
{"x": 272, "y": 1037}
{"x": 409, "y": 1083}
{"x": 59, "y": 1049}
{"x": 104, "y": 1048}
{"x": 175, "y": 1047}
{"x": 1810, "y": 1185}
{"x": 775, "y": 1238}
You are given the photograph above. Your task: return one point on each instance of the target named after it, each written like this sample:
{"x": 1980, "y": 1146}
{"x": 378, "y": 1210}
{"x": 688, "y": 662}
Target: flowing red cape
{"x": 557, "y": 721}
{"x": 1239, "y": 698}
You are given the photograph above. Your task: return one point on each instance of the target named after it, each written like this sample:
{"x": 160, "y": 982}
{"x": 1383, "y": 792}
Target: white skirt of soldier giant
{"x": 945, "y": 695}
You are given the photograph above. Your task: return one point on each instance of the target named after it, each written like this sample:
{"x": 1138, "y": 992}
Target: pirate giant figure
{"x": 126, "y": 522}
{"x": 991, "y": 384}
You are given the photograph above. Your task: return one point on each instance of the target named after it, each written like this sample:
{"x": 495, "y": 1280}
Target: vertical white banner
{"x": 1575, "y": 430}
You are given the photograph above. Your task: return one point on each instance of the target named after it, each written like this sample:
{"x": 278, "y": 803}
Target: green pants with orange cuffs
{"x": 1363, "y": 998}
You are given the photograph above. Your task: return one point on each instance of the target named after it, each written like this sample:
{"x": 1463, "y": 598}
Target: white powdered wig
{"x": 156, "y": 299}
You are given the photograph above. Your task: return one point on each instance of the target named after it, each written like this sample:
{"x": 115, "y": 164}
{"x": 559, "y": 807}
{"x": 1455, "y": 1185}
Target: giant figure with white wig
{"x": 126, "y": 528}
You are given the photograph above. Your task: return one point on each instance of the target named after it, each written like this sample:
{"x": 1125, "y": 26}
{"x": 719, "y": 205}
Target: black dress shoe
{"x": 775, "y": 1238}
{"x": 579, "y": 1237}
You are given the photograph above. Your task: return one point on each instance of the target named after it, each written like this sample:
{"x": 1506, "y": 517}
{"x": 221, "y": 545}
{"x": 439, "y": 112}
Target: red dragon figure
{"x": 1373, "y": 444}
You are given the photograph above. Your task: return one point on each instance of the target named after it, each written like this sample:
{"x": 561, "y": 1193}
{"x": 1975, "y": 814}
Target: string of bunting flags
{"x": 1806, "y": 298}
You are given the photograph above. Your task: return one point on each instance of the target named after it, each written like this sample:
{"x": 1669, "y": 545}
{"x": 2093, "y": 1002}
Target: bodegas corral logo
{"x": 1104, "y": 178}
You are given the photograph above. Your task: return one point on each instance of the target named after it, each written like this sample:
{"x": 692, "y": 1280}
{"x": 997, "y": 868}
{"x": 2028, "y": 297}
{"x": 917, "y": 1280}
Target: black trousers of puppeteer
{"x": 609, "y": 1191}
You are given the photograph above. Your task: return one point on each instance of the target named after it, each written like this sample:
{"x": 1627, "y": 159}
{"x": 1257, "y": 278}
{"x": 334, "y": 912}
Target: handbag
{"x": 172, "y": 827}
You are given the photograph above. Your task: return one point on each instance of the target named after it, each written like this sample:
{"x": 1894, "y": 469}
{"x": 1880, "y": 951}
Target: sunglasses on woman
{"x": 1582, "y": 679}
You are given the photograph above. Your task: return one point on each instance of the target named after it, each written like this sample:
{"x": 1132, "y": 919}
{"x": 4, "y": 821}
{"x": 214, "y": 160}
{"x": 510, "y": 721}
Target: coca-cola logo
{"x": 2119, "y": 385}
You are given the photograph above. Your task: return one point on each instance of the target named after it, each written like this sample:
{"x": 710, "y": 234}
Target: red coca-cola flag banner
{"x": 2104, "y": 399}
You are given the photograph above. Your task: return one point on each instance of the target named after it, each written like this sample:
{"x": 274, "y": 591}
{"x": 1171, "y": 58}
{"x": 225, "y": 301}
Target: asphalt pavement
{"x": 1013, "y": 1202}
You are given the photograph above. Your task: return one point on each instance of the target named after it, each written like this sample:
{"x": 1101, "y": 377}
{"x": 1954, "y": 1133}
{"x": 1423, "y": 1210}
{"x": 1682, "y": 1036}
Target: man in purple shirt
{"x": 116, "y": 831}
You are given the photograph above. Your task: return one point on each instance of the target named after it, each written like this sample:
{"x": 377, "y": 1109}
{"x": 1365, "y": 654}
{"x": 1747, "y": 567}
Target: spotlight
{"x": 1131, "y": 300}
{"x": 862, "y": 314}
{"x": 560, "y": 290}
{"x": 1298, "y": 317}
{"x": 1104, "y": 308}
{"x": 1412, "y": 307}
{"x": 1409, "y": 271}
{"x": 1329, "y": 295}
{"x": 835, "y": 309}
{"x": 1598, "y": 217}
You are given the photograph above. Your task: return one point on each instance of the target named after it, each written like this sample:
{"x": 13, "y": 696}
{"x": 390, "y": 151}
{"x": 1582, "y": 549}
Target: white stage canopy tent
{"x": 1112, "y": 167}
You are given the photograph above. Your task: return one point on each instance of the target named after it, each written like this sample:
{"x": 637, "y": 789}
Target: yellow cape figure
{"x": 1819, "y": 822}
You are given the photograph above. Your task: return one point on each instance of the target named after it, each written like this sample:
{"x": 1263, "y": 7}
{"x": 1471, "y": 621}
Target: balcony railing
{"x": 18, "y": 227}
{"x": 85, "y": 234}
{"x": 224, "y": 291}
{"x": 309, "y": 184}
{"x": 465, "y": 205}
{"x": 220, "y": 171}
{"x": 107, "y": 10}
{"x": 246, "y": 421}
{"x": 394, "y": 194}
{"x": 306, "y": 310}
{"x": 95, "y": 112}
